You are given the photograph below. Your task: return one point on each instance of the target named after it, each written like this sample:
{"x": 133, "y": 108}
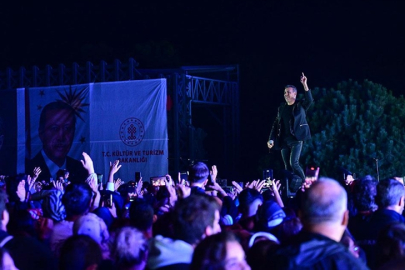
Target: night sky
{"x": 272, "y": 41}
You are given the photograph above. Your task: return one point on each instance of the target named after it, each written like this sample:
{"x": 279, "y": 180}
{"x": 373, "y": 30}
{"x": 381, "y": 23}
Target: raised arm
{"x": 308, "y": 95}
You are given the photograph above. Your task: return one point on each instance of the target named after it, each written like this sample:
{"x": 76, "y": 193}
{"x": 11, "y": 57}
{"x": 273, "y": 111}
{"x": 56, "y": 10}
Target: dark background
{"x": 272, "y": 41}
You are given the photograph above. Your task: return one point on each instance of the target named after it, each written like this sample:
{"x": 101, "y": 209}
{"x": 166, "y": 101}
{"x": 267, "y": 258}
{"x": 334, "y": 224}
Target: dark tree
{"x": 352, "y": 126}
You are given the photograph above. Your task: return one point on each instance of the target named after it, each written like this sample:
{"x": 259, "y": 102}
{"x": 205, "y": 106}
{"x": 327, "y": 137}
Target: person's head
{"x": 198, "y": 173}
{"x": 77, "y": 199}
{"x": 21, "y": 223}
{"x": 390, "y": 195}
{"x": 3, "y": 210}
{"x": 269, "y": 215}
{"x": 220, "y": 251}
{"x": 80, "y": 252}
{"x": 324, "y": 208}
{"x": 365, "y": 191}
{"x": 196, "y": 217}
{"x": 56, "y": 130}
{"x": 141, "y": 215}
{"x": 290, "y": 227}
{"x": 256, "y": 256}
{"x": 249, "y": 202}
{"x": 6, "y": 262}
{"x": 290, "y": 93}
{"x": 62, "y": 175}
{"x": 130, "y": 249}
{"x": 391, "y": 243}
{"x": 90, "y": 224}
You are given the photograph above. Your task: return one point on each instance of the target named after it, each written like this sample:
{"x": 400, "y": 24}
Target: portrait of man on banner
{"x": 57, "y": 125}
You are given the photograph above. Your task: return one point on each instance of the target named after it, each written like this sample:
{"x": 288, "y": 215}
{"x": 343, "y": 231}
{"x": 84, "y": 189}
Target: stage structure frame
{"x": 187, "y": 86}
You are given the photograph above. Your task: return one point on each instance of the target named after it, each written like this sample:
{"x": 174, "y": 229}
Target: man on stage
{"x": 290, "y": 128}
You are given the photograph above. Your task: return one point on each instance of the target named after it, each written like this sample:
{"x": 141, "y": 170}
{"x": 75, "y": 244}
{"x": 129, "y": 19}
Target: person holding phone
{"x": 291, "y": 129}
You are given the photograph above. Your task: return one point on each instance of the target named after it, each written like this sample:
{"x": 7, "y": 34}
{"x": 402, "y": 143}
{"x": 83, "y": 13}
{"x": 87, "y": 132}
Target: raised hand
{"x": 170, "y": 187}
{"x": 31, "y": 182}
{"x": 238, "y": 188}
{"x": 36, "y": 172}
{"x": 304, "y": 81}
{"x": 117, "y": 183}
{"x": 21, "y": 192}
{"x": 87, "y": 163}
{"x": 92, "y": 182}
{"x": 115, "y": 167}
{"x": 58, "y": 185}
{"x": 139, "y": 186}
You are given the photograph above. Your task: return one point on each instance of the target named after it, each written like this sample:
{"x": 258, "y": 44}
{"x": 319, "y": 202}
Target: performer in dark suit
{"x": 291, "y": 128}
{"x": 56, "y": 130}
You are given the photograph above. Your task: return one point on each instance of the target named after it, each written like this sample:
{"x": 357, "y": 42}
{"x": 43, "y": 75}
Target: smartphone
{"x": 184, "y": 176}
{"x": 131, "y": 191}
{"x": 158, "y": 181}
{"x": 138, "y": 176}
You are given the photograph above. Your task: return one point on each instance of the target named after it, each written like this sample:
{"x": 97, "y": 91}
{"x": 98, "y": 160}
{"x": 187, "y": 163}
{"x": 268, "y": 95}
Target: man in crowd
{"x": 390, "y": 201}
{"x": 198, "y": 176}
{"x": 195, "y": 217}
{"x": 324, "y": 216}
{"x": 56, "y": 130}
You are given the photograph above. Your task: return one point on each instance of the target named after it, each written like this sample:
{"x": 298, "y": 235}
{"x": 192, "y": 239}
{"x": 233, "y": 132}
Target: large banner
{"x": 123, "y": 121}
{"x": 129, "y": 123}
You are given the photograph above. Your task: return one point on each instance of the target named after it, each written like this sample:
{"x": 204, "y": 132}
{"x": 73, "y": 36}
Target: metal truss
{"x": 187, "y": 86}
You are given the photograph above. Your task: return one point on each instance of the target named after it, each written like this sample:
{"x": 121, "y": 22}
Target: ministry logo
{"x": 132, "y": 131}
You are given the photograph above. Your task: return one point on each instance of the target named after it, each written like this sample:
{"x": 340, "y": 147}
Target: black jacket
{"x": 77, "y": 173}
{"x": 313, "y": 251}
{"x": 299, "y": 127}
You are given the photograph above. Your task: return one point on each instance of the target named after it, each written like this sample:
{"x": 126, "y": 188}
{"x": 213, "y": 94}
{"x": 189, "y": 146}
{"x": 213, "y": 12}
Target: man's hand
{"x": 36, "y": 172}
{"x": 270, "y": 144}
{"x": 87, "y": 163}
{"x": 238, "y": 188}
{"x": 117, "y": 184}
{"x": 21, "y": 192}
{"x": 218, "y": 188}
{"x": 139, "y": 186}
{"x": 115, "y": 167}
{"x": 31, "y": 183}
{"x": 304, "y": 82}
{"x": 58, "y": 185}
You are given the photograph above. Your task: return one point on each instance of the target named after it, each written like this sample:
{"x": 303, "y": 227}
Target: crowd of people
{"x": 198, "y": 224}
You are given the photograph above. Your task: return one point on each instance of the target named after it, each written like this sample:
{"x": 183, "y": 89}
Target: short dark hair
{"x": 389, "y": 192}
{"x": 291, "y": 86}
{"x": 77, "y": 199}
{"x": 56, "y": 105}
{"x": 199, "y": 172}
{"x": 319, "y": 206}
{"x": 192, "y": 216}
{"x": 141, "y": 214}
{"x": 79, "y": 252}
{"x": 365, "y": 191}
{"x": 211, "y": 252}
{"x": 248, "y": 196}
